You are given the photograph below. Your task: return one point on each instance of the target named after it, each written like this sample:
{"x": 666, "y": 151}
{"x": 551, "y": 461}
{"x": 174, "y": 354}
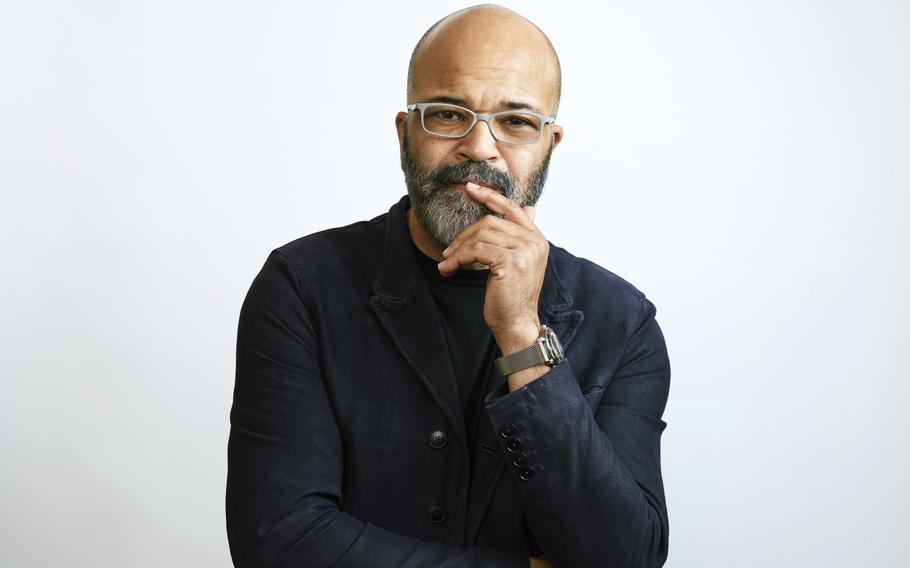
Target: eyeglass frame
{"x": 478, "y": 117}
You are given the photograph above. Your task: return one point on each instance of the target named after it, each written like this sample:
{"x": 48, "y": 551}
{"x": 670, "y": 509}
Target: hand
{"x": 516, "y": 252}
{"x": 540, "y": 562}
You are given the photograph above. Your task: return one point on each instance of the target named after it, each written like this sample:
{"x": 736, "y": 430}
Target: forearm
{"x": 584, "y": 505}
{"x": 284, "y": 498}
{"x": 326, "y": 537}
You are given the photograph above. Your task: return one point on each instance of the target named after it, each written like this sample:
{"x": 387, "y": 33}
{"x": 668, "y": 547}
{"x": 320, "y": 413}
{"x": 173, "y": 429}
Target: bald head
{"x": 492, "y": 38}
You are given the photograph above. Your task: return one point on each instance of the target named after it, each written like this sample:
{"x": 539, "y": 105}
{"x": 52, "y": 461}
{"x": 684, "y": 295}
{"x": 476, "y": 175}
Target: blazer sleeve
{"x": 285, "y": 455}
{"x": 592, "y": 487}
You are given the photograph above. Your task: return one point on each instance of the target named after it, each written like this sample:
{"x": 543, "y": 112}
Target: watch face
{"x": 552, "y": 347}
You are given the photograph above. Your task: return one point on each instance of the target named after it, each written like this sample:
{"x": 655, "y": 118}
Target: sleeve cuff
{"x": 525, "y": 421}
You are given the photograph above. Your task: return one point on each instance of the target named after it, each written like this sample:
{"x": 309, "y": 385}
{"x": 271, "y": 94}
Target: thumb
{"x": 529, "y": 211}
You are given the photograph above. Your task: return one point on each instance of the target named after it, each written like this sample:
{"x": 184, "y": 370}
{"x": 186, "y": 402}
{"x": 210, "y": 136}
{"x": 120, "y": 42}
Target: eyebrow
{"x": 510, "y": 105}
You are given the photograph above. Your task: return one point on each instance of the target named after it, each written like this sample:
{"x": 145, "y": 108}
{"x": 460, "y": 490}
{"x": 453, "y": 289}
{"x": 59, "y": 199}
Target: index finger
{"x": 501, "y": 204}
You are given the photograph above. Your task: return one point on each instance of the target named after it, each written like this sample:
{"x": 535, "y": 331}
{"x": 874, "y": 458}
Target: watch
{"x": 547, "y": 350}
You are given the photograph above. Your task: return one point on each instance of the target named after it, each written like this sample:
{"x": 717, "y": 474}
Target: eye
{"x": 445, "y": 115}
{"x": 518, "y": 121}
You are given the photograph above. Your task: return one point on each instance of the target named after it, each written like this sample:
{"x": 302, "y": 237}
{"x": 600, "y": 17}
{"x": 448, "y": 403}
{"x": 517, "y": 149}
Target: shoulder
{"x": 336, "y": 248}
{"x": 584, "y": 276}
{"x": 594, "y": 288}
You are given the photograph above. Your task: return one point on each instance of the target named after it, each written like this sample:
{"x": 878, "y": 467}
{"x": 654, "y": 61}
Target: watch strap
{"x": 520, "y": 360}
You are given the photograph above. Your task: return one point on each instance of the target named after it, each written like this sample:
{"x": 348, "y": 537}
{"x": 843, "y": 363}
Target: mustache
{"x": 477, "y": 172}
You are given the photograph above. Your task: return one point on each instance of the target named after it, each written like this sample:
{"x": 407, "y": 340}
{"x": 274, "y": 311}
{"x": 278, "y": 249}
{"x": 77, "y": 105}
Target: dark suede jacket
{"x": 343, "y": 376}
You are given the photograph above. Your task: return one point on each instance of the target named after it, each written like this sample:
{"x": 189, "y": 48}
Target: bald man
{"x": 441, "y": 386}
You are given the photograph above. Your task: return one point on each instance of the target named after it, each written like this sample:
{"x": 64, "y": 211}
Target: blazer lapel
{"x": 404, "y": 306}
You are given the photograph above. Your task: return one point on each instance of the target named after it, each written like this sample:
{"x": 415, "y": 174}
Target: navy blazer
{"x": 348, "y": 446}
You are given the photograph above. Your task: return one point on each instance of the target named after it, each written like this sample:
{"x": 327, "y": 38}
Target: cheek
{"x": 522, "y": 165}
{"x": 431, "y": 155}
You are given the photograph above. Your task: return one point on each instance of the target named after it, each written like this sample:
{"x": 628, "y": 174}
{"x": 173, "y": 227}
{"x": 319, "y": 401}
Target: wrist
{"x": 517, "y": 337}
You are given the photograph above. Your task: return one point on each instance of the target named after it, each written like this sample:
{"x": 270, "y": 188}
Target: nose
{"x": 479, "y": 145}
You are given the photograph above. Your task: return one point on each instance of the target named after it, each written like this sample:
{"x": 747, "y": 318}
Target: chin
{"x": 445, "y": 218}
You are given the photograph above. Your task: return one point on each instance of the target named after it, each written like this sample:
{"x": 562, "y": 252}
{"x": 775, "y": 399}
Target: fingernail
{"x": 445, "y": 252}
{"x": 472, "y": 185}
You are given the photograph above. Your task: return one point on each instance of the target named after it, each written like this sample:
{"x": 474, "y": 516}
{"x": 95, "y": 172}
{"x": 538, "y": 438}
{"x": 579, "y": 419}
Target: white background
{"x": 745, "y": 164}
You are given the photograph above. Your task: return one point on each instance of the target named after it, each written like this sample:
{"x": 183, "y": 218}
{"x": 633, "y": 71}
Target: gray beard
{"x": 444, "y": 212}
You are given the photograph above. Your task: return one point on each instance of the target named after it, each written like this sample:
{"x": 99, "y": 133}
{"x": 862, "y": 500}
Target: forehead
{"x": 487, "y": 68}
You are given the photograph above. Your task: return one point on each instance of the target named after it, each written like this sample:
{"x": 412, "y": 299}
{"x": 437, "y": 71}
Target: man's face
{"x": 485, "y": 70}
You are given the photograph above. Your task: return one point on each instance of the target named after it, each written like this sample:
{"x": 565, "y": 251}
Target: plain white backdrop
{"x": 745, "y": 164}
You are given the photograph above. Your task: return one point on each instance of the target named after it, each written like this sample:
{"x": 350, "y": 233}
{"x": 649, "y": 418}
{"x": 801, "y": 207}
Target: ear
{"x": 400, "y": 126}
{"x": 556, "y": 137}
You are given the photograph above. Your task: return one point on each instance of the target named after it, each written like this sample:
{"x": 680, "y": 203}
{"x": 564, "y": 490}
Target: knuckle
{"x": 520, "y": 261}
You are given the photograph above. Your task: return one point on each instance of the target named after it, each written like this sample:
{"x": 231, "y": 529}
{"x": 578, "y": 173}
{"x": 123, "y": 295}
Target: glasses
{"x": 508, "y": 127}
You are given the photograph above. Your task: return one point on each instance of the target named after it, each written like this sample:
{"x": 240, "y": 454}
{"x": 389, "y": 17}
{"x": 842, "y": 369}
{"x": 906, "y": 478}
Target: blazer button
{"x": 514, "y": 445}
{"x": 519, "y": 459}
{"x": 438, "y": 439}
{"x": 436, "y": 514}
{"x": 508, "y": 431}
{"x": 526, "y": 473}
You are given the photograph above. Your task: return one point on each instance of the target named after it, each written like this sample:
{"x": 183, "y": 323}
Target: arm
{"x": 596, "y": 495}
{"x": 285, "y": 454}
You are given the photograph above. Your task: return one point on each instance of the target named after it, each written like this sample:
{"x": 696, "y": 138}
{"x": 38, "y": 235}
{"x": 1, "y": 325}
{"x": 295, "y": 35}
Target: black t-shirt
{"x": 459, "y": 299}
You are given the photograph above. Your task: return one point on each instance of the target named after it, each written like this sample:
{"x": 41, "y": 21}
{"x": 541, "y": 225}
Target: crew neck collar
{"x": 462, "y": 276}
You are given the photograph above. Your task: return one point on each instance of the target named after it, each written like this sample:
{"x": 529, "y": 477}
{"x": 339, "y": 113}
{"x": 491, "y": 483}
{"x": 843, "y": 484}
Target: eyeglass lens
{"x": 447, "y": 120}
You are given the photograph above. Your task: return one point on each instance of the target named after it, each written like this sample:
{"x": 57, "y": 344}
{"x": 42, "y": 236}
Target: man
{"x": 398, "y": 402}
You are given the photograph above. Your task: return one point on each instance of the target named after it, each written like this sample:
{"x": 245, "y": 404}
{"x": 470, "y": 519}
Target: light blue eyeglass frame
{"x": 544, "y": 120}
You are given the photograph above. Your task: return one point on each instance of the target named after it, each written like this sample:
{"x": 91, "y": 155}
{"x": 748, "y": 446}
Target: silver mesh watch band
{"x": 527, "y": 357}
